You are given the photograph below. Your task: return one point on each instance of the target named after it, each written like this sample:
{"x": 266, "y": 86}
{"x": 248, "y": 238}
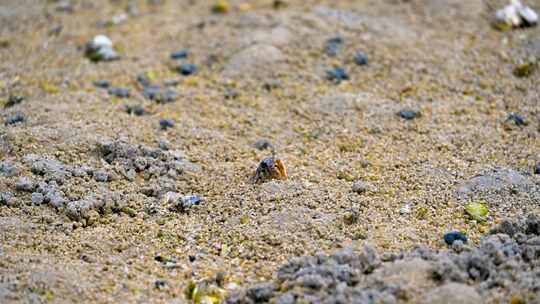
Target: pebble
{"x": 187, "y": 202}
{"x": 515, "y": 15}
{"x": 119, "y": 92}
{"x": 166, "y": 96}
{"x": 13, "y": 100}
{"x": 5, "y": 197}
{"x": 406, "y": 209}
{"x": 451, "y": 237}
{"x": 101, "y": 176}
{"x": 332, "y": 46}
{"x": 408, "y": 114}
{"x": 24, "y": 184}
{"x": 337, "y": 74}
{"x": 361, "y": 187}
{"x": 187, "y": 69}
{"x": 181, "y": 54}
{"x": 360, "y": 58}
{"x": 263, "y": 144}
{"x": 101, "y": 83}
{"x": 137, "y": 110}
{"x": 8, "y": 169}
{"x": 37, "y": 198}
{"x": 164, "y": 144}
{"x": 15, "y": 118}
{"x": 517, "y": 119}
{"x": 164, "y": 123}
{"x": 537, "y": 169}
{"x": 100, "y": 48}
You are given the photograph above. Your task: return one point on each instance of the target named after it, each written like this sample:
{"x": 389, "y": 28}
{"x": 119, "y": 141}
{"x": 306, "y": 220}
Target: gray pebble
{"x": 5, "y": 198}
{"x": 361, "y": 187}
{"x": 37, "y": 198}
{"x": 24, "y": 184}
{"x": 101, "y": 176}
{"x": 119, "y": 92}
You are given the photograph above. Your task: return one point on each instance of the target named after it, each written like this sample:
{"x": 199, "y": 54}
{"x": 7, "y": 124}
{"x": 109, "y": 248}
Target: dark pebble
{"x": 166, "y": 96}
{"x": 119, "y": 92}
{"x": 408, "y": 114}
{"x": 332, "y": 46}
{"x": 263, "y": 144}
{"x": 103, "y": 84}
{"x": 160, "y": 284}
{"x": 192, "y": 258}
{"x": 360, "y": 58}
{"x": 164, "y": 124}
{"x": 15, "y": 118}
{"x": 137, "y": 110}
{"x": 13, "y": 100}
{"x": 187, "y": 69}
{"x": 537, "y": 169}
{"x": 518, "y": 119}
{"x": 337, "y": 74}
{"x": 151, "y": 91}
{"x": 179, "y": 54}
{"x": 143, "y": 80}
{"x": 450, "y": 237}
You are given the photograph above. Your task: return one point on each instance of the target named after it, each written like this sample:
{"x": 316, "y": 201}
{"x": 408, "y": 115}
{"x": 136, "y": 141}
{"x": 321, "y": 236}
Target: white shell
{"x": 528, "y": 15}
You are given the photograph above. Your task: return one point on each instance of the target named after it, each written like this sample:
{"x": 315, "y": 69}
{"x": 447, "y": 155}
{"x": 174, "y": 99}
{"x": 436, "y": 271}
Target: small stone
{"x": 100, "y": 48}
{"x": 119, "y": 92}
{"x": 136, "y": 110}
{"x": 5, "y": 198}
{"x": 159, "y": 284}
{"x": 477, "y": 211}
{"x": 361, "y": 187}
{"x": 24, "y": 184}
{"x": 451, "y": 237}
{"x": 164, "y": 144}
{"x": 13, "y": 100}
{"x": 517, "y": 119}
{"x": 337, "y": 74}
{"x": 164, "y": 124}
{"x": 101, "y": 83}
{"x": 186, "y": 202}
{"x": 187, "y": 69}
{"x": 515, "y": 15}
{"x": 409, "y": 114}
{"x": 101, "y": 176}
{"x": 166, "y": 96}
{"x": 182, "y": 54}
{"x": 360, "y": 58}
{"x": 332, "y": 46}
{"x": 406, "y": 209}
{"x": 263, "y": 144}
{"x": 537, "y": 169}
{"x": 15, "y": 118}
{"x": 37, "y": 198}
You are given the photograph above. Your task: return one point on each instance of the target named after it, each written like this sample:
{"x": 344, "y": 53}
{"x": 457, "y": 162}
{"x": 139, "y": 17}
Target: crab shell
{"x": 270, "y": 168}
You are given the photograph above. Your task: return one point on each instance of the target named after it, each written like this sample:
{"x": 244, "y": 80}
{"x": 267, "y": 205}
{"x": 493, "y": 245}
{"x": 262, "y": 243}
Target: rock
{"x": 136, "y": 110}
{"x": 253, "y": 59}
{"x": 101, "y": 83}
{"x": 181, "y": 54}
{"x": 451, "y": 237}
{"x": 187, "y": 69}
{"x": 408, "y": 114}
{"x": 15, "y": 118}
{"x": 332, "y": 46}
{"x": 100, "y": 48}
{"x": 37, "y": 198}
{"x": 517, "y": 119}
{"x": 119, "y": 92}
{"x": 360, "y": 58}
{"x": 164, "y": 124}
{"x": 8, "y": 169}
{"x": 5, "y": 198}
{"x": 337, "y": 75}
{"x": 263, "y": 144}
{"x": 537, "y": 169}
{"x": 453, "y": 293}
{"x": 101, "y": 176}
{"x": 13, "y": 100}
{"x": 361, "y": 187}
{"x": 24, "y": 184}
{"x": 515, "y": 15}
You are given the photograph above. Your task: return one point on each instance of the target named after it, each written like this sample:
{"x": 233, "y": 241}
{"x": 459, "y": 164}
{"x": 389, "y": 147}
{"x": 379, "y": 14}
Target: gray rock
{"x": 8, "y": 169}
{"x": 261, "y": 292}
{"x": 453, "y": 293}
{"x": 362, "y": 187}
{"x": 37, "y": 198}
{"x": 24, "y": 184}
{"x": 5, "y": 198}
{"x": 101, "y": 176}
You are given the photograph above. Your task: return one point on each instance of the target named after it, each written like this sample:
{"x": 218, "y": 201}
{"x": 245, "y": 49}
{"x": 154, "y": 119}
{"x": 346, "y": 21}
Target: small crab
{"x": 270, "y": 168}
